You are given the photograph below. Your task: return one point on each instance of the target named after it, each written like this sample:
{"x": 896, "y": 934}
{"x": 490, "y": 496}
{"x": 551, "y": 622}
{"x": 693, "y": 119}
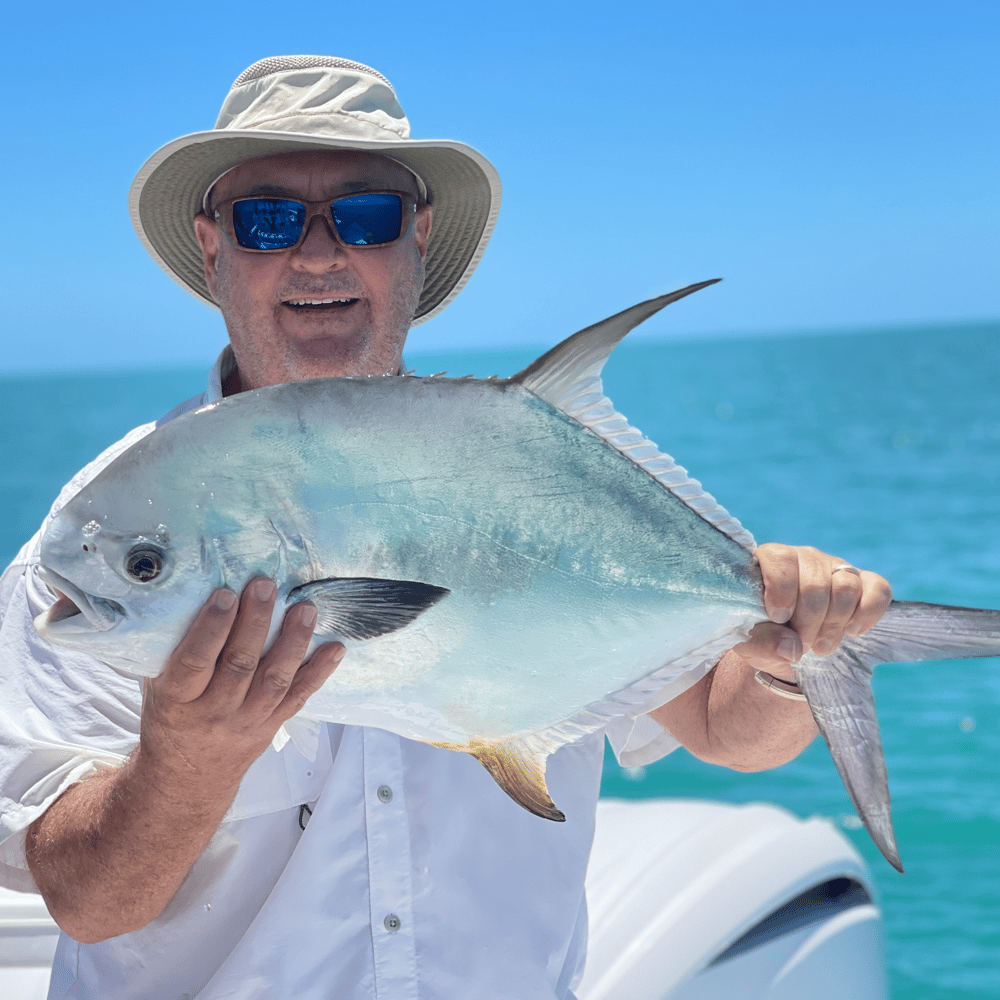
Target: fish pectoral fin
{"x": 519, "y": 769}
{"x": 364, "y": 607}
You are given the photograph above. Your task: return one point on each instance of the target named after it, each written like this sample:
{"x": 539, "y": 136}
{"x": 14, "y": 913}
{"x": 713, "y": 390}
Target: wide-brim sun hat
{"x": 287, "y": 104}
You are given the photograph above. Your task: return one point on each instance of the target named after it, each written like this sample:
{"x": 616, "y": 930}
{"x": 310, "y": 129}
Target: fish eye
{"x": 144, "y": 563}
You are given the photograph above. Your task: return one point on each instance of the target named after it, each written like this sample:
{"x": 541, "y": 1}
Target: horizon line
{"x": 640, "y": 336}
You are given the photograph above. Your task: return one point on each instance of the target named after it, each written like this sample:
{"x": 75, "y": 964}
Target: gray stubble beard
{"x": 404, "y": 300}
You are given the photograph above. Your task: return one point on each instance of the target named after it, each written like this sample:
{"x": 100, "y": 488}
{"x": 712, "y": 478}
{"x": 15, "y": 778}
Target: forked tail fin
{"x": 838, "y": 689}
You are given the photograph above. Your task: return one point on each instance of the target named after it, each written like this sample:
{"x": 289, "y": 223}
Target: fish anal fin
{"x": 365, "y": 607}
{"x": 519, "y": 769}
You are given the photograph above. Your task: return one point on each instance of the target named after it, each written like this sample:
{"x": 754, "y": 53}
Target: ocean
{"x": 881, "y": 446}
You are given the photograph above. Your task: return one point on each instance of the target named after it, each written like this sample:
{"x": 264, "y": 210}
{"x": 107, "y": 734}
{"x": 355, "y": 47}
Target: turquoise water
{"x": 882, "y": 447}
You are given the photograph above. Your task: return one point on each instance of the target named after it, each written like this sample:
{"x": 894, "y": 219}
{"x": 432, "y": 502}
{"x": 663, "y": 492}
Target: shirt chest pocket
{"x": 282, "y": 779}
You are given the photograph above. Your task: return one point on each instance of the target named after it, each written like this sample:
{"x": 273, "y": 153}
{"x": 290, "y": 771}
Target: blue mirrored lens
{"x": 364, "y": 220}
{"x": 268, "y": 223}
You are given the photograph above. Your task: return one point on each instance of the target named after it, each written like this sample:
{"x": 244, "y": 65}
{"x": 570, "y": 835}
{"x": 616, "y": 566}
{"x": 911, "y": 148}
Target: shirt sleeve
{"x": 636, "y": 738}
{"x": 63, "y": 715}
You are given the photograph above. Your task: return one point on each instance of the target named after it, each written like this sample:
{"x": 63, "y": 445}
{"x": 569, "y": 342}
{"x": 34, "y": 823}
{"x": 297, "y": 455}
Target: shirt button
{"x": 384, "y": 793}
{"x": 392, "y": 923}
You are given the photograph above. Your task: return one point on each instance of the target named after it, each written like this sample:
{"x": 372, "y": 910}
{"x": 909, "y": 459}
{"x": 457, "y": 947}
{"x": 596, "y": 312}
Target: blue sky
{"x": 837, "y": 164}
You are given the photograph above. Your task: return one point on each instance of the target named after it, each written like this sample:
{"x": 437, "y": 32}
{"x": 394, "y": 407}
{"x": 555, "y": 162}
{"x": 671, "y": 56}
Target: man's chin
{"x": 316, "y": 333}
{"x": 296, "y": 345}
{"x": 339, "y": 353}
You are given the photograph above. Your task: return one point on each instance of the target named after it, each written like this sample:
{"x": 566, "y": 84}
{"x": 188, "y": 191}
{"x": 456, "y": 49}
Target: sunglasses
{"x": 270, "y": 225}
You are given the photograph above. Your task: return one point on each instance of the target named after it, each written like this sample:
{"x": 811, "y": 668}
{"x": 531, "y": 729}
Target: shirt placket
{"x": 389, "y": 868}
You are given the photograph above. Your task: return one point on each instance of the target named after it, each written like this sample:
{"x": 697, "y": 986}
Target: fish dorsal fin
{"x": 364, "y": 608}
{"x": 578, "y": 361}
{"x": 569, "y": 378}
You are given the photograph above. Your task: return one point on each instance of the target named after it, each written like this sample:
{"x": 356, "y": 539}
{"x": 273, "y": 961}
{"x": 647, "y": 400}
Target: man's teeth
{"x": 318, "y": 302}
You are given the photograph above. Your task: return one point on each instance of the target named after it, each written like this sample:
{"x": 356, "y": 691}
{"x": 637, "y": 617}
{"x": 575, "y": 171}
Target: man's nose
{"x": 319, "y": 251}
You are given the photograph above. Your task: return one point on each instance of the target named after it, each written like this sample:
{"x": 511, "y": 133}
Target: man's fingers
{"x": 876, "y": 596}
{"x": 813, "y": 605}
{"x": 223, "y": 698}
{"x": 845, "y": 591}
{"x": 310, "y": 678}
{"x": 773, "y": 648}
{"x": 779, "y": 565}
{"x": 241, "y": 653}
{"x": 279, "y": 667}
{"x": 820, "y": 596}
{"x": 284, "y": 682}
{"x": 192, "y": 664}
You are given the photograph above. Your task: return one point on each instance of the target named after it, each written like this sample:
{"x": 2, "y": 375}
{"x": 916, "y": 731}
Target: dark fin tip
{"x": 521, "y": 777}
{"x": 363, "y": 607}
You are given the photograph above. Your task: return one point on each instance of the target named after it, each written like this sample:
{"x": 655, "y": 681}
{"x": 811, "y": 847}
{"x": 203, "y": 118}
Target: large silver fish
{"x": 510, "y": 564}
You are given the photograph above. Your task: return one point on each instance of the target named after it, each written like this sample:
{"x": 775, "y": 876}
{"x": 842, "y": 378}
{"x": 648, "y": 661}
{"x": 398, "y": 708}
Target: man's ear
{"x": 422, "y": 227}
{"x": 207, "y": 232}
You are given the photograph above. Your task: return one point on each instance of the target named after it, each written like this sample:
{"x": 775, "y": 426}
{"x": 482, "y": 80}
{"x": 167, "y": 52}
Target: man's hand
{"x": 813, "y": 600}
{"x": 218, "y": 703}
{"x": 109, "y": 854}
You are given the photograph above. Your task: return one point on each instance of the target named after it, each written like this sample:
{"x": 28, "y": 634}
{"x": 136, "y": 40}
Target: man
{"x": 179, "y": 849}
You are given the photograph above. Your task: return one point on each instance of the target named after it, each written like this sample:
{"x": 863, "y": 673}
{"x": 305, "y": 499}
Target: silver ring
{"x": 848, "y": 567}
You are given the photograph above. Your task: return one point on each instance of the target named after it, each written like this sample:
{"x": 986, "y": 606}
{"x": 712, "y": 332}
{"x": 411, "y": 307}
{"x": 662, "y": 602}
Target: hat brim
{"x": 462, "y": 186}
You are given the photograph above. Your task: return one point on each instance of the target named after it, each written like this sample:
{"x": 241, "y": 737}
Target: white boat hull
{"x": 693, "y": 900}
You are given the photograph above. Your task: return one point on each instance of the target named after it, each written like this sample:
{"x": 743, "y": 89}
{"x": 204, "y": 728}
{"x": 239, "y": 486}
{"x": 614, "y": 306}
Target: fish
{"x": 511, "y": 565}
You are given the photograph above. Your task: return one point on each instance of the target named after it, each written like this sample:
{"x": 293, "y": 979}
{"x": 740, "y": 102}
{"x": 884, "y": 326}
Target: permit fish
{"x": 511, "y": 564}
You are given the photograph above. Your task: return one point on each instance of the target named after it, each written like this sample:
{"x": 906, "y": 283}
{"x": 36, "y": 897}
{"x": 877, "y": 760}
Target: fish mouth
{"x": 75, "y": 610}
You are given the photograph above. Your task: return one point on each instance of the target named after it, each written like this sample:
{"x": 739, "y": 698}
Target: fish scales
{"x": 508, "y": 562}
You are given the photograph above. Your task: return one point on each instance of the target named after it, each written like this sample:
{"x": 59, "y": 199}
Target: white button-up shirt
{"x": 380, "y": 867}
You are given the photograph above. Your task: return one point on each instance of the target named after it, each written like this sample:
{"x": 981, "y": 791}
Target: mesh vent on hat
{"x": 279, "y": 64}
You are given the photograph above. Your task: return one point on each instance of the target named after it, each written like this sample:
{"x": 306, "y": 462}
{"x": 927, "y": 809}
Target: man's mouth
{"x": 312, "y": 305}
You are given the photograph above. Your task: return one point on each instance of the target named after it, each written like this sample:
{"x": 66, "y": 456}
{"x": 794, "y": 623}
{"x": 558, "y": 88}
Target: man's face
{"x": 281, "y": 326}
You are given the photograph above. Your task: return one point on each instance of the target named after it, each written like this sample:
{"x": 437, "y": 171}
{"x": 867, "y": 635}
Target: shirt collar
{"x": 225, "y": 365}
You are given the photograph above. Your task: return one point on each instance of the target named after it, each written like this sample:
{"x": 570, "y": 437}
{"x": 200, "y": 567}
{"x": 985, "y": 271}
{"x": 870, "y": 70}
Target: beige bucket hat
{"x": 291, "y": 103}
